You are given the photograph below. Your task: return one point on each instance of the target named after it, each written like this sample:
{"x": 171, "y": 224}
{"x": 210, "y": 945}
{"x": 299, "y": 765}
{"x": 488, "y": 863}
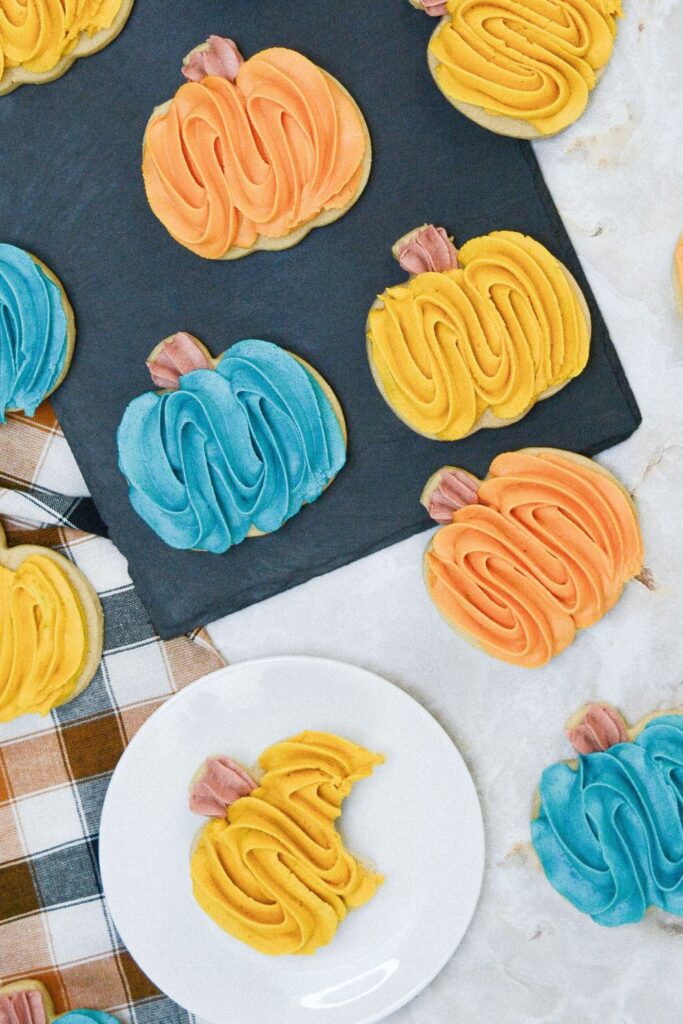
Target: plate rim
{"x": 229, "y": 669}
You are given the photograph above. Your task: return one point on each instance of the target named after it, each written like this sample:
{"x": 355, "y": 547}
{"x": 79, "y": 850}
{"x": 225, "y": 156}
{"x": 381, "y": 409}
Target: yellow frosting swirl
{"x": 531, "y": 60}
{"x": 43, "y": 638}
{"x": 275, "y": 874}
{"x": 36, "y": 34}
{"x": 496, "y": 334}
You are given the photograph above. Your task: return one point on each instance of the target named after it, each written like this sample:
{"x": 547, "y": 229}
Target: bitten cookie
{"x": 253, "y": 154}
{"x": 271, "y": 868}
{"x": 41, "y": 39}
{"x": 607, "y": 826}
{"x": 37, "y": 331}
{"x": 524, "y": 68}
{"x": 231, "y": 447}
{"x": 51, "y": 630}
{"x": 476, "y": 336}
{"x": 538, "y": 550}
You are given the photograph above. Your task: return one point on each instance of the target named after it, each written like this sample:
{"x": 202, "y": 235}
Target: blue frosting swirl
{"x": 34, "y": 338}
{"x": 609, "y": 833}
{"x": 244, "y": 445}
{"x": 86, "y": 1017}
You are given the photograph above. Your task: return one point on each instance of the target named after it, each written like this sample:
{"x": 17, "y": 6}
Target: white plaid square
{"x": 138, "y": 675}
{"x": 78, "y": 932}
{"x": 49, "y": 819}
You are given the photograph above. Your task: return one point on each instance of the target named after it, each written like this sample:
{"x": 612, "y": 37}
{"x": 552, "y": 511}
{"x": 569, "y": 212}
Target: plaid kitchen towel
{"x": 54, "y": 772}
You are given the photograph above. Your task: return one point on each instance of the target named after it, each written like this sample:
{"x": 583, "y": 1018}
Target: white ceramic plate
{"x": 417, "y": 820}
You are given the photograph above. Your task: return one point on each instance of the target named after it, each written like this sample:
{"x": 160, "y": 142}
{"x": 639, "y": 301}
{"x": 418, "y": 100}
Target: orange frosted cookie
{"x": 678, "y": 273}
{"x": 538, "y": 550}
{"x": 253, "y": 154}
{"x": 524, "y": 68}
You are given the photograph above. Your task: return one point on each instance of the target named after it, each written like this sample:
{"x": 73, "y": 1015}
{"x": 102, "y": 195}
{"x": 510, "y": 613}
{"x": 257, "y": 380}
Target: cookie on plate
{"x": 537, "y": 551}
{"x": 37, "y": 331}
{"x": 41, "y": 39}
{"x": 51, "y": 630}
{"x": 271, "y": 868}
{"x": 607, "y": 825}
{"x": 253, "y": 154}
{"x": 229, "y": 448}
{"x": 476, "y": 336}
{"x": 524, "y": 68}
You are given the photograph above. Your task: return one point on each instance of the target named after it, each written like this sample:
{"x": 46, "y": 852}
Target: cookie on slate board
{"x": 238, "y": 877}
{"x": 253, "y": 154}
{"x": 522, "y": 68}
{"x": 607, "y": 825}
{"x": 268, "y": 436}
{"x": 37, "y": 331}
{"x": 51, "y": 630}
{"x": 40, "y": 40}
{"x": 537, "y": 551}
{"x": 476, "y": 336}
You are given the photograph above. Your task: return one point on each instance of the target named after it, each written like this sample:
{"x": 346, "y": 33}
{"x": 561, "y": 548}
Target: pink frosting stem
{"x": 220, "y": 784}
{"x": 176, "y": 356}
{"x": 599, "y": 729}
{"x": 434, "y": 8}
{"x": 454, "y": 491}
{"x": 25, "y": 1007}
{"x": 219, "y": 57}
{"x": 426, "y": 248}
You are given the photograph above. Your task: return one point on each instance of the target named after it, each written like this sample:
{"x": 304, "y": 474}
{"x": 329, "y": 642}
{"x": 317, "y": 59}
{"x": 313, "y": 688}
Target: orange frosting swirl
{"x": 227, "y": 163}
{"x": 546, "y": 551}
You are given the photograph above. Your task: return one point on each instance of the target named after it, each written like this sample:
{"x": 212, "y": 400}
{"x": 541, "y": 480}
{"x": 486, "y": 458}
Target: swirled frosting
{"x": 609, "y": 832}
{"x": 241, "y": 446}
{"x": 546, "y": 551}
{"x": 530, "y": 60}
{"x": 43, "y": 638}
{"x": 275, "y": 873}
{"x": 24, "y": 1006}
{"x": 494, "y": 335}
{"x": 34, "y": 337}
{"x": 230, "y": 162}
{"x": 36, "y": 34}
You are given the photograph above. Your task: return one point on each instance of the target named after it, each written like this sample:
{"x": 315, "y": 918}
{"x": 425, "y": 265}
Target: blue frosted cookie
{"x": 608, "y": 827}
{"x": 228, "y": 448}
{"x": 37, "y": 331}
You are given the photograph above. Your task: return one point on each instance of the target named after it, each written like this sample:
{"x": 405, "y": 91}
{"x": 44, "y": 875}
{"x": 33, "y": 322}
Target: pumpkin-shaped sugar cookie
{"x": 271, "y": 868}
{"x": 524, "y": 68}
{"x": 607, "y": 826}
{"x": 41, "y": 39}
{"x": 538, "y": 550}
{"x": 253, "y": 154}
{"x": 231, "y": 447}
{"x": 37, "y": 331}
{"x": 50, "y": 630}
{"x": 476, "y": 336}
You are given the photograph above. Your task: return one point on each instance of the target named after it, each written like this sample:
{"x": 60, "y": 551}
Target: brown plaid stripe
{"x": 54, "y": 773}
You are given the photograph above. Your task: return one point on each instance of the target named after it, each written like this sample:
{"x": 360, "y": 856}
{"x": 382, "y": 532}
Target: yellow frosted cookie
{"x": 253, "y": 154}
{"x": 51, "y": 630}
{"x": 524, "y": 68}
{"x": 270, "y": 868}
{"x": 476, "y": 336}
{"x": 41, "y": 39}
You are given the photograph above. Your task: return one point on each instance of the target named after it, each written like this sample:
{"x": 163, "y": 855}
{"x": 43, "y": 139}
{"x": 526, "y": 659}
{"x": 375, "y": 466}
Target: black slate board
{"x": 71, "y": 191}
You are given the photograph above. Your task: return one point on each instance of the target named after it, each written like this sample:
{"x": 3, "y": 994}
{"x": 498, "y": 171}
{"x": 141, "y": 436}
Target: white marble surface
{"x": 529, "y": 957}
